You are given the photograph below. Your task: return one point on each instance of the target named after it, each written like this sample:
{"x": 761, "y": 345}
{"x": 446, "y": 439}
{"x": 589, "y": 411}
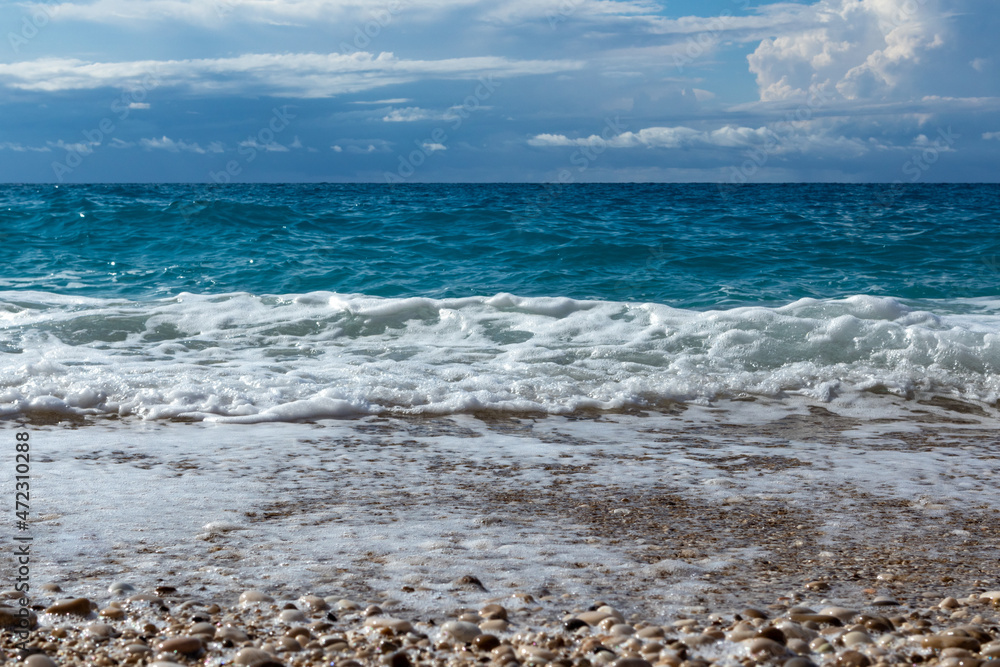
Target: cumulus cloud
{"x": 307, "y": 75}
{"x": 857, "y": 49}
{"x": 991, "y": 135}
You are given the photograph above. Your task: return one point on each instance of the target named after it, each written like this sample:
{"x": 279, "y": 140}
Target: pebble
{"x": 592, "y": 617}
{"x": 230, "y": 633}
{"x": 398, "y": 626}
{"x": 203, "y": 628}
{"x": 496, "y": 625}
{"x": 631, "y": 662}
{"x": 950, "y": 641}
{"x": 765, "y": 647}
{"x": 314, "y": 603}
{"x": 10, "y": 617}
{"x": 883, "y": 601}
{"x": 112, "y": 613}
{"x": 493, "y": 612}
{"x": 185, "y": 645}
{"x": 855, "y": 638}
{"x": 120, "y": 588}
{"x": 39, "y": 660}
{"x": 852, "y": 659}
{"x": 252, "y": 597}
{"x": 841, "y": 613}
{"x": 75, "y": 607}
{"x": 292, "y": 616}
{"x": 461, "y": 631}
{"x": 486, "y": 643}
{"x": 799, "y": 661}
{"x": 255, "y": 657}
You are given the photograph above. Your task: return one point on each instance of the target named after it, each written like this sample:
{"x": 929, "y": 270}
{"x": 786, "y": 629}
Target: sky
{"x": 734, "y": 91}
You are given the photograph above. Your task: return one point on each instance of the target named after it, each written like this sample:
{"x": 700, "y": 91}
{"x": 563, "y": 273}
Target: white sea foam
{"x": 240, "y": 357}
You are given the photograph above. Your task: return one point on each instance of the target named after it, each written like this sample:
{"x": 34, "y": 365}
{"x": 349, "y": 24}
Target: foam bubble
{"x": 246, "y": 358}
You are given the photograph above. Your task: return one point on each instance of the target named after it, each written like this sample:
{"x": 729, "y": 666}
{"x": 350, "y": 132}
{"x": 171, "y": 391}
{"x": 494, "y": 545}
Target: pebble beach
{"x": 164, "y": 627}
{"x": 785, "y": 534}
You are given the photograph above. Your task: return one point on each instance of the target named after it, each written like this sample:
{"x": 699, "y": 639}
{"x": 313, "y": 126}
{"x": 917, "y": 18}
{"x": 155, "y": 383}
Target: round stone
{"x": 461, "y": 631}
{"x": 114, "y": 613}
{"x": 13, "y": 618}
{"x": 492, "y": 612}
{"x": 486, "y": 643}
{"x": 630, "y": 662}
{"x": 651, "y": 632}
{"x": 255, "y": 657}
{"x": 950, "y": 641}
{"x": 75, "y": 607}
{"x": 841, "y": 613}
{"x": 314, "y": 603}
{"x": 232, "y": 634}
{"x": 852, "y": 659}
{"x": 799, "y": 661}
{"x": 203, "y": 628}
{"x": 39, "y": 660}
{"x": 496, "y": 625}
{"x": 346, "y": 605}
{"x": 883, "y": 601}
{"x": 185, "y": 645}
{"x": 762, "y": 646}
{"x": 120, "y": 588}
{"x": 855, "y": 638}
{"x": 251, "y": 597}
{"x": 292, "y": 616}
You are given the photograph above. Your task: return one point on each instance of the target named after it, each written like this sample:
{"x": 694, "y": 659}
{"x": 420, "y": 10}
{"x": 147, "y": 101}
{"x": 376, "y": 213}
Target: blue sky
{"x": 499, "y": 90}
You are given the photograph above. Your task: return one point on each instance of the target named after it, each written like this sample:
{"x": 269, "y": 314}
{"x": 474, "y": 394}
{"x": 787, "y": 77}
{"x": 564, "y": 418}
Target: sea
{"x": 368, "y": 389}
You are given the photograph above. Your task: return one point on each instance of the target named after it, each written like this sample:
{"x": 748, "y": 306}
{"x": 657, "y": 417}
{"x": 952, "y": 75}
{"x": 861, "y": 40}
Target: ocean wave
{"x": 243, "y": 357}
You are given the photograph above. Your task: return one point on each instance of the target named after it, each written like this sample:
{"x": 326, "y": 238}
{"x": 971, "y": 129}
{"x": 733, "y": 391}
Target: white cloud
{"x": 397, "y": 100}
{"x": 991, "y": 135}
{"x": 410, "y": 114}
{"x": 793, "y": 138}
{"x": 138, "y": 105}
{"x": 858, "y": 49}
{"x": 430, "y": 148}
{"x": 168, "y": 144}
{"x": 272, "y": 147}
{"x": 308, "y": 75}
{"x": 21, "y": 148}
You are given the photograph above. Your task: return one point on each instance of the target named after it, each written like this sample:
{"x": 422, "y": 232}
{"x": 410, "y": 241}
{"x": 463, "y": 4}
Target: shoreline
{"x": 664, "y": 517}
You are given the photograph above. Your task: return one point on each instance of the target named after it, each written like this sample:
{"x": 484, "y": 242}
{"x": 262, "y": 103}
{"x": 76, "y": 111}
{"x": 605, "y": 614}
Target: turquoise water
{"x": 690, "y": 246}
{"x": 289, "y": 302}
